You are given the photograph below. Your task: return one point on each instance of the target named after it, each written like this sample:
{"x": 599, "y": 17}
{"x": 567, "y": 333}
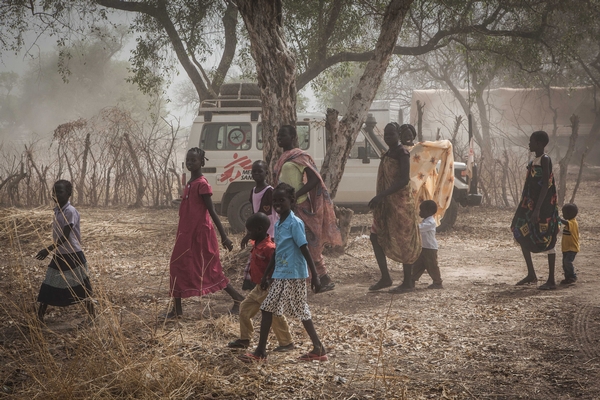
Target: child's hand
{"x": 245, "y": 240}
{"x": 42, "y": 254}
{"x": 227, "y": 243}
{"x": 315, "y": 283}
{"x": 264, "y": 283}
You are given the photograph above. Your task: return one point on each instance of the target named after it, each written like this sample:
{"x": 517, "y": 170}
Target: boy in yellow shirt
{"x": 570, "y": 242}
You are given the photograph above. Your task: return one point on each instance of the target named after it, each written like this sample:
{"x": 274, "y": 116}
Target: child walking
{"x": 262, "y": 252}
{"x": 287, "y": 268}
{"x": 535, "y": 224}
{"x": 66, "y": 280}
{"x": 195, "y": 267}
{"x": 570, "y": 242}
{"x": 427, "y": 261}
{"x": 261, "y": 198}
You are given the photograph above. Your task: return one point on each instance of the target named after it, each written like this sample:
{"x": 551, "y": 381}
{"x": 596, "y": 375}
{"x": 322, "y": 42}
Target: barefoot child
{"x": 570, "y": 242}
{"x": 535, "y": 224}
{"x": 257, "y": 226}
{"x": 261, "y": 198}
{"x": 66, "y": 280}
{"x": 195, "y": 266}
{"x": 427, "y": 261}
{"x": 287, "y": 268}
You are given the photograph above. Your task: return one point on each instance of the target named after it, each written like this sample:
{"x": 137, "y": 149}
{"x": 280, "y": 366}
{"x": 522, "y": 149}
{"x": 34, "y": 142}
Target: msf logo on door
{"x": 239, "y": 167}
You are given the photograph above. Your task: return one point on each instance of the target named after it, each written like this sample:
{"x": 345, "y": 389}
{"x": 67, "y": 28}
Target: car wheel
{"x": 238, "y": 211}
{"x": 449, "y": 217}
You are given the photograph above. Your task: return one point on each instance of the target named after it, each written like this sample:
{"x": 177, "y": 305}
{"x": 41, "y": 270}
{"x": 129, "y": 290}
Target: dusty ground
{"x": 480, "y": 337}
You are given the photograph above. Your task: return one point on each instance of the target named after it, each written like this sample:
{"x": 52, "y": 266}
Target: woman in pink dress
{"x": 195, "y": 264}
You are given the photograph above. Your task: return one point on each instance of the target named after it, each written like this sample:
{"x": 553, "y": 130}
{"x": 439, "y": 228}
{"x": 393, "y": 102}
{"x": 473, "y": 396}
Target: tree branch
{"x": 161, "y": 15}
{"x": 433, "y": 43}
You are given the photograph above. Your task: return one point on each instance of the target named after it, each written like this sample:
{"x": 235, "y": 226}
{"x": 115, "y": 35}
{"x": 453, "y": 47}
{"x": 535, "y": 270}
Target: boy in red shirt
{"x": 257, "y": 226}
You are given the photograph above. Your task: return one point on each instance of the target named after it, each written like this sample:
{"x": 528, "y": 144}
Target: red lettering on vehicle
{"x": 235, "y": 169}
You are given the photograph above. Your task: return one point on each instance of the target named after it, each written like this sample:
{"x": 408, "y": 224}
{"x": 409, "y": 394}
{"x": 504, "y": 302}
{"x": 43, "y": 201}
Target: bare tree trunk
{"x": 591, "y": 141}
{"x": 343, "y": 140}
{"x": 420, "y": 111}
{"x": 454, "y": 142}
{"x": 81, "y": 184}
{"x": 107, "y": 194}
{"x": 41, "y": 177}
{"x": 140, "y": 184}
{"x": 332, "y": 124}
{"x": 564, "y": 163}
{"x": 12, "y": 186}
{"x": 275, "y": 69}
{"x": 504, "y": 164}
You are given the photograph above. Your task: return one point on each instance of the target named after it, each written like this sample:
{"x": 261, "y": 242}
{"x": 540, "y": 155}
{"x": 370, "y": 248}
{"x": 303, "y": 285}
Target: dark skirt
{"x": 541, "y": 236}
{"x": 66, "y": 280}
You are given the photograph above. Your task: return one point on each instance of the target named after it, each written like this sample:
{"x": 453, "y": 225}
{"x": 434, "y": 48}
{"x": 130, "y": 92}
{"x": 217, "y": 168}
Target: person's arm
{"x": 564, "y": 221}
{"x": 312, "y": 180}
{"x": 427, "y": 225}
{"x": 245, "y": 241}
{"x": 225, "y": 241}
{"x": 398, "y": 184}
{"x": 246, "y": 237}
{"x": 264, "y": 282}
{"x": 535, "y": 217}
{"x": 64, "y": 238}
{"x": 315, "y": 282}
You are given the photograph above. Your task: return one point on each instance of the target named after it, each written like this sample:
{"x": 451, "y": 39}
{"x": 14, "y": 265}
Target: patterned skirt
{"x": 66, "y": 280}
{"x": 287, "y": 296}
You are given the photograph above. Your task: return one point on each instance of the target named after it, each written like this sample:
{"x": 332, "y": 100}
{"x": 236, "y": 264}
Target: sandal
{"x": 239, "y": 344}
{"x": 527, "y": 281}
{"x": 381, "y": 284}
{"x": 284, "y": 349}
{"x": 313, "y": 357}
{"x": 250, "y": 358}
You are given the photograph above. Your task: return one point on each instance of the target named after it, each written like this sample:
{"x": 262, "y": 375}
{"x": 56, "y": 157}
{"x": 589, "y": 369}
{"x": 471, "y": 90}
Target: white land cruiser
{"x": 229, "y": 129}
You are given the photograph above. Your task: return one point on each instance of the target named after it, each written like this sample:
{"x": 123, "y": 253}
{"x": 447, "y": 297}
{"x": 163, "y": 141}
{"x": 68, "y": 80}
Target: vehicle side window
{"x": 303, "y": 131}
{"x": 226, "y": 136}
{"x": 361, "y": 148}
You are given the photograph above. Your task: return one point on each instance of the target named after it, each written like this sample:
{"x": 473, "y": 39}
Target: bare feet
{"x": 286, "y": 348}
{"x": 239, "y": 344}
{"x": 382, "y": 284}
{"x": 171, "y": 315}
{"x": 402, "y": 289}
{"x": 235, "y": 310}
{"x": 548, "y": 286}
{"x": 528, "y": 280}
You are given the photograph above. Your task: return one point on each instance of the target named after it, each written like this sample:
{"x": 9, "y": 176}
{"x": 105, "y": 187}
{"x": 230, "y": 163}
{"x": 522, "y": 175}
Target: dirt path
{"x": 480, "y": 337}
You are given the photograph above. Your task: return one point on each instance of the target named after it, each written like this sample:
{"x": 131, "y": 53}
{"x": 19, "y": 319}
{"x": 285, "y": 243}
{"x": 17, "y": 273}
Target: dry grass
{"x": 481, "y": 337}
{"x": 128, "y": 351}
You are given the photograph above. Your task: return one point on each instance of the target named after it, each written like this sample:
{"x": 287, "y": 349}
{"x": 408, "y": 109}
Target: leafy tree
{"x": 292, "y": 44}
